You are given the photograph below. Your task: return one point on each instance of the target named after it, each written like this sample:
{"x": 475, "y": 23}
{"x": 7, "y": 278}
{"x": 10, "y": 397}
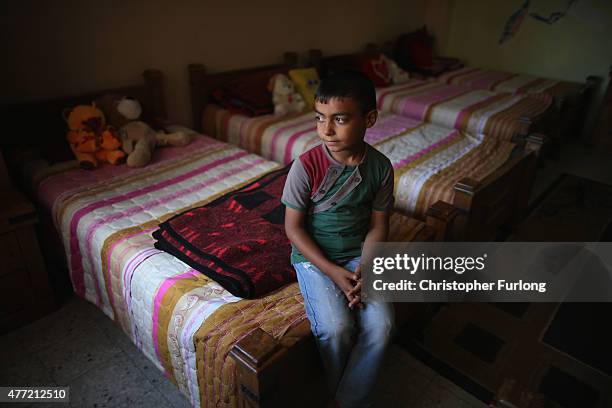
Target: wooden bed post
{"x": 535, "y": 143}
{"x": 463, "y": 201}
{"x": 542, "y": 144}
{"x": 526, "y": 124}
{"x": 267, "y": 374}
{"x": 586, "y": 100}
{"x": 251, "y": 355}
{"x": 533, "y": 146}
{"x": 197, "y": 73}
{"x": 154, "y": 80}
{"x": 315, "y": 58}
{"x": 441, "y": 217}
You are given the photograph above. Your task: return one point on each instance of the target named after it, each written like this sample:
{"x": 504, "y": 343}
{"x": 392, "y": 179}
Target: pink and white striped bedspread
{"x": 106, "y": 217}
{"x": 475, "y": 111}
{"x": 501, "y": 81}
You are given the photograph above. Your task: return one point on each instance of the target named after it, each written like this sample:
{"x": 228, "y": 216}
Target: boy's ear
{"x": 371, "y": 118}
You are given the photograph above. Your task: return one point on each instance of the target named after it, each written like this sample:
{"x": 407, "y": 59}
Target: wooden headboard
{"x": 202, "y": 85}
{"x": 328, "y": 64}
{"x": 40, "y": 125}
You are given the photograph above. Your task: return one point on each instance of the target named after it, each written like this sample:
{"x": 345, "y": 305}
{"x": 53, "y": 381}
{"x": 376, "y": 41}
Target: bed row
{"x": 464, "y": 163}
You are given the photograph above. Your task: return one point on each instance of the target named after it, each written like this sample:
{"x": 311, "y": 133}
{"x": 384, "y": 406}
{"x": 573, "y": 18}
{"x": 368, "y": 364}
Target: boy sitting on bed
{"x": 337, "y": 195}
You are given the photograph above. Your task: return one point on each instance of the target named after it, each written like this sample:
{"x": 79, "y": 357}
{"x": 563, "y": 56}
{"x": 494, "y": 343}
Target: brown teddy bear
{"x": 138, "y": 138}
{"x": 92, "y": 141}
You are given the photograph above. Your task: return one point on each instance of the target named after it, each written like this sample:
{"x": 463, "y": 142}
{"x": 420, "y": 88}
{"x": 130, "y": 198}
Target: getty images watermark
{"x": 488, "y": 272}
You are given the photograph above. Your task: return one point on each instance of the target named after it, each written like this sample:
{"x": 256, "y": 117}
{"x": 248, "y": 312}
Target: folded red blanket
{"x": 238, "y": 240}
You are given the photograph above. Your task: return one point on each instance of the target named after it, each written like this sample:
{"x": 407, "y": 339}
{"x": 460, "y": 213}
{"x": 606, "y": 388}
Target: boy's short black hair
{"x": 348, "y": 84}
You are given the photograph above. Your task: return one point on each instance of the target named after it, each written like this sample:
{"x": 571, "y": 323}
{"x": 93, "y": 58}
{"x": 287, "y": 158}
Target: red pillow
{"x": 377, "y": 70}
{"x": 421, "y": 54}
{"x": 415, "y": 49}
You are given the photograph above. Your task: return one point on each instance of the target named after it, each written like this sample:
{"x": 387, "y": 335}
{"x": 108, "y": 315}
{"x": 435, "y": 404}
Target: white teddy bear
{"x": 284, "y": 95}
{"x": 398, "y": 75}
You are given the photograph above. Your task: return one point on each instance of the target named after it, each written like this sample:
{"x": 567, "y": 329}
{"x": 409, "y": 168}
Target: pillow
{"x": 415, "y": 49}
{"x": 236, "y": 104}
{"x": 421, "y": 54}
{"x": 377, "y": 69}
{"x": 238, "y": 240}
{"x": 248, "y": 94}
{"x": 306, "y": 81}
{"x": 398, "y": 75}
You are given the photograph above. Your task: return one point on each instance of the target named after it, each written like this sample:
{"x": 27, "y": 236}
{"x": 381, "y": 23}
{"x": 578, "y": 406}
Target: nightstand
{"x": 25, "y": 294}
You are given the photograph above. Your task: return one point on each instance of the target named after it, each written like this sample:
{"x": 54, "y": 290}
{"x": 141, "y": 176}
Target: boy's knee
{"x": 381, "y": 331}
{"x": 341, "y": 330}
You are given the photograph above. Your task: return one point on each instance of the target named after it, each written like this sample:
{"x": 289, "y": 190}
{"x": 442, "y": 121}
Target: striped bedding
{"x": 181, "y": 320}
{"x": 475, "y": 111}
{"x": 518, "y": 84}
{"x": 428, "y": 159}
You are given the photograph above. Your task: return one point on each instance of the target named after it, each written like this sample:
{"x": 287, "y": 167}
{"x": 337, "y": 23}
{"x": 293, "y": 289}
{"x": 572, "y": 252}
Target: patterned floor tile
{"x": 116, "y": 383}
{"x": 86, "y": 348}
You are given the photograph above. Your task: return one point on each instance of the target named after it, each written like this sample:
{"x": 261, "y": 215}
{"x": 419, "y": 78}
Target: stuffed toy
{"x": 398, "y": 75}
{"x": 92, "y": 141}
{"x": 284, "y": 95}
{"x": 306, "y": 81}
{"x": 138, "y": 138}
{"x": 376, "y": 68}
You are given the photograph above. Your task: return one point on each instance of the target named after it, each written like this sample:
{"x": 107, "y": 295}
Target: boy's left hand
{"x": 356, "y": 291}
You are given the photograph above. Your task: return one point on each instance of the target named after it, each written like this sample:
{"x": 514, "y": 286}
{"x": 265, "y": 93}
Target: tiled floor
{"x": 576, "y": 159}
{"x": 80, "y": 347}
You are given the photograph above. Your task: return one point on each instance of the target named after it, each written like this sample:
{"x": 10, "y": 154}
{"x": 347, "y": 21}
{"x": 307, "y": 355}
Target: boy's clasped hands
{"x": 350, "y": 284}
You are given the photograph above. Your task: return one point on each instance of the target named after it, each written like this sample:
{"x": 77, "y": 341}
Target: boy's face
{"x": 341, "y": 124}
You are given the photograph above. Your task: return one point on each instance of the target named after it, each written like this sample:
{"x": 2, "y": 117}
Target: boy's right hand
{"x": 347, "y": 282}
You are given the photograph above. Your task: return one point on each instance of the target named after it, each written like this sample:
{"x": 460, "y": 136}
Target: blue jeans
{"x": 352, "y": 343}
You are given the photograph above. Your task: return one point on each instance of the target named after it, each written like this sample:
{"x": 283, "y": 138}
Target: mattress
{"x": 184, "y": 322}
{"x": 428, "y": 159}
{"x": 500, "y": 81}
{"x": 476, "y": 111}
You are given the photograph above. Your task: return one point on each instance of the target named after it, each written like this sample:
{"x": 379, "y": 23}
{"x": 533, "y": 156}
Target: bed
{"x": 505, "y": 116}
{"x": 414, "y": 51}
{"x": 218, "y": 349}
{"x": 571, "y": 98}
{"x": 486, "y": 180}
